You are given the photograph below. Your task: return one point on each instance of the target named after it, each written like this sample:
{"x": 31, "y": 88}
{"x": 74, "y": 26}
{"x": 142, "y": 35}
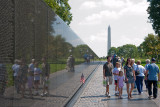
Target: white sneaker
{"x": 109, "y": 95}
{"x": 42, "y": 95}
{"x": 46, "y": 93}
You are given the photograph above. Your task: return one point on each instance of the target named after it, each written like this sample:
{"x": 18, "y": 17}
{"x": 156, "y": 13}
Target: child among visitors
{"x": 120, "y": 80}
{"x": 37, "y": 72}
{"x": 116, "y": 73}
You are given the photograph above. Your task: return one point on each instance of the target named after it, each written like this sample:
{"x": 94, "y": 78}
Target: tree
{"x": 154, "y": 15}
{"x": 150, "y": 44}
{"x": 128, "y": 50}
{"x": 113, "y": 50}
{"x": 61, "y": 8}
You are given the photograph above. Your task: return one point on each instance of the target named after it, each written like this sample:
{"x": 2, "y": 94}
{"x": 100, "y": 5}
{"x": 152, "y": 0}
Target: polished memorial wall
{"x": 29, "y": 29}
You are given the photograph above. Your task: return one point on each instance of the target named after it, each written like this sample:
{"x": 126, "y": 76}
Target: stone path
{"x": 63, "y": 85}
{"x": 94, "y": 96}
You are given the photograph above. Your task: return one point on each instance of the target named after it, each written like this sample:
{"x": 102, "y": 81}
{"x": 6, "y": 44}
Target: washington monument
{"x": 109, "y": 39}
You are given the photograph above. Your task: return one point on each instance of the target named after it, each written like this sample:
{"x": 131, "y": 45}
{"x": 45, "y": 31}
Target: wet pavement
{"x": 94, "y": 96}
{"x": 63, "y": 85}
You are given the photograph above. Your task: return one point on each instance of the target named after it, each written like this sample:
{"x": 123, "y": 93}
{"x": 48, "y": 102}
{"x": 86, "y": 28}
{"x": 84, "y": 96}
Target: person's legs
{"x": 146, "y": 83}
{"x": 107, "y": 85}
{"x": 141, "y": 84}
{"x": 138, "y": 83}
{"x": 107, "y": 89}
{"x": 120, "y": 90}
{"x": 155, "y": 89}
{"x": 132, "y": 87}
{"x": 149, "y": 87}
{"x": 116, "y": 87}
{"x": 127, "y": 85}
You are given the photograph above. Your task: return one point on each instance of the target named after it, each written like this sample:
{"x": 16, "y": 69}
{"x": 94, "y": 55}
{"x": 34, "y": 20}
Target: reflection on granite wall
{"x": 29, "y": 29}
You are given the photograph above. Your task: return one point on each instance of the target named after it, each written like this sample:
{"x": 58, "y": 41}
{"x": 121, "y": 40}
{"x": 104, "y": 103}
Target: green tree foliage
{"x": 80, "y": 50}
{"x": 62, "y": 9}
{"x": 112, "y": 51}
{"x": 154, "y": 14}
{"x": 151, "y": 45}
{"x": 127, "y": 50}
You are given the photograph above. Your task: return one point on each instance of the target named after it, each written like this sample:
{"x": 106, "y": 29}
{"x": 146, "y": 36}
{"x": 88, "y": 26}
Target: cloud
{"x": 88, "y": 5}
{"x": 130, "y": 9}
{"x": 115, "y": 3}
{"x": 127, "y": 40}
{"x": 128, "y": 20}
{"x": 97, "y": 18}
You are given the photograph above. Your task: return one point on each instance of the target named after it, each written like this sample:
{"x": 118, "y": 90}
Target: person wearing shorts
{"x": 116, "y": 73}
{"x": 37, "y": 72}
{"x": 107, "y": 74}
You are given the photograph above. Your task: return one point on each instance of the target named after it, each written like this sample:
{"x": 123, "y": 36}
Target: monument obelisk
{"x": 109, "y": 39}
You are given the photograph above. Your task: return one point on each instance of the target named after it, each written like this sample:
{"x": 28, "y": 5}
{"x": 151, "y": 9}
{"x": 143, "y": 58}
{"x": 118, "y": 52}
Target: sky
{"x": 128, "y": 20}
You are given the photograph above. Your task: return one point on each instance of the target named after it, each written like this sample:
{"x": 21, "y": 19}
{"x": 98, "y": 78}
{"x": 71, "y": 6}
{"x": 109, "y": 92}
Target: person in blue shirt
{"x": 152, "y": 78}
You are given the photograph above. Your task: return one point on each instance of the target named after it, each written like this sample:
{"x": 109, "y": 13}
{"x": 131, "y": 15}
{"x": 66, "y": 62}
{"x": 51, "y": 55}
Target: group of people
{"x": 31, "y": 75}
{"x": 133, "y": 73}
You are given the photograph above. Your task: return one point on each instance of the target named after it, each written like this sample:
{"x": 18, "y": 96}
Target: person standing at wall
{"x": 15, "y": 69}
{"x": 31, "y": 76}
{"x": 37, "y": 72}
{"x": 107, "y": 74}
{"x": 139, "y": 77}
{"x": 22, "y": 76}
{"x": 72, "y": 63}
{"x": 153, "y": 78}
{"x": 45, "y": 76}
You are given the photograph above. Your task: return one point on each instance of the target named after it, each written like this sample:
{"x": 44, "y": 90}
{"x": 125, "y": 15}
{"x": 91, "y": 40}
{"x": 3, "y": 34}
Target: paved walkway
{"x": 63, "y": 85}
{"x": 94, "y": 96}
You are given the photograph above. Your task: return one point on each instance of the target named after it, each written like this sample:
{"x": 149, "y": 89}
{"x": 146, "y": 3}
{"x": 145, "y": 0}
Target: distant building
{"x": 109, "y": 39}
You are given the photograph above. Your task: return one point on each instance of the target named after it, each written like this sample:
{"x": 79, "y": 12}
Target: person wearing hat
{"x": 152, "y": 78}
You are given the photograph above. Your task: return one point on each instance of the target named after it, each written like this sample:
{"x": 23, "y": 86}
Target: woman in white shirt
{"x": 140, "y": 76}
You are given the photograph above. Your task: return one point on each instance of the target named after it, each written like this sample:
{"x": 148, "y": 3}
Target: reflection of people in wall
{"x": 70, "y": 63}
{"x": 3, "y": 79}
{"x": 22, "y": 76}
{"x": 45, "y": 77}
{"x": 15, "y": 69}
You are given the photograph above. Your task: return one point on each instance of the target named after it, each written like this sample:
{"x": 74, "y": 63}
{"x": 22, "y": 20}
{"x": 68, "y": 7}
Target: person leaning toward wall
{"x": 152, "y": 78}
